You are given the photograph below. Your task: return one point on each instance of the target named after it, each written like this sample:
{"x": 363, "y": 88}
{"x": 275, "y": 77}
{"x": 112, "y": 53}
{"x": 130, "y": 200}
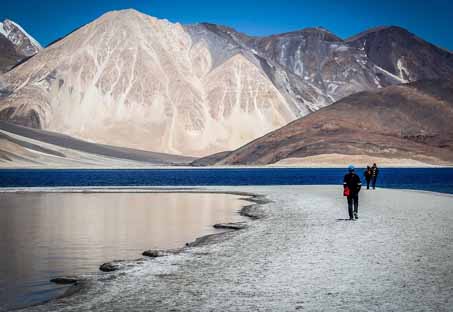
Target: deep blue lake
{"x": 430, "y": 179}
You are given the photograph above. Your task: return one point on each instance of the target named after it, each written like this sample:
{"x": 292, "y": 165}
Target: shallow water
{"x": 45, "y": 235}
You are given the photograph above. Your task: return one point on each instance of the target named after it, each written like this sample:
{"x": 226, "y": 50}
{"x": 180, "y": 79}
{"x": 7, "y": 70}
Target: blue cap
{"x": 351, "y": 168}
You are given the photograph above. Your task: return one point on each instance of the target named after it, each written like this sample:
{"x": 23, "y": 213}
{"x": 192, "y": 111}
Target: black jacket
{"x": 352, "y": 181}
{"x": 374, "y": 171}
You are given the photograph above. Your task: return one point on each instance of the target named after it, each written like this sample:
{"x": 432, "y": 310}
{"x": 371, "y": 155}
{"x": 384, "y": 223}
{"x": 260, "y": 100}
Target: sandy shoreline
{"x": 80, "y": 283}
{"x": 251, "y": 211}
{"x": 302, "y": 255}
{"x": 318, "y": 161}
{"x": 342, "y": 161}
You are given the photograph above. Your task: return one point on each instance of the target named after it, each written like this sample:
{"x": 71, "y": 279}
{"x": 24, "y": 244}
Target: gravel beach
{"x": 303, "y": 255}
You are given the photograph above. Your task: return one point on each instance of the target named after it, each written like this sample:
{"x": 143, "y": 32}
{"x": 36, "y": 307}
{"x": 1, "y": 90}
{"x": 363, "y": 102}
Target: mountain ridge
{"x": 129, "y": 79}
{"x": 401, "y": 121}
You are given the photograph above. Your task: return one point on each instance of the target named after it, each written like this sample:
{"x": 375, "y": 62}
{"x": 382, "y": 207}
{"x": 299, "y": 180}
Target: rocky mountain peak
{"x": 319, "y": 33}
{"x": 380, "y": 31}
{"x": 216, "y": 27}
{"x": 25, "y": 44}
{"x": 402, "y": 54}
{"x": 16, "y": 45}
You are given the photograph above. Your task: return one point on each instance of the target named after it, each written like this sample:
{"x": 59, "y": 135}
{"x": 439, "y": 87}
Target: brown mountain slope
{"x": 411, "y": 121}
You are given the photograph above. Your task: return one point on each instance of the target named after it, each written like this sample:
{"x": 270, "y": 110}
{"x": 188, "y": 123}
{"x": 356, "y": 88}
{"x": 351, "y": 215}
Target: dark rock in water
{"x": 64, "y": 280}
{"x": 109, "y": 267}
{"x": 206, "y": 240}
{"x": 253, "y": 211}
{"x": 154, "y": 253}
{"x": 231, "y": 226}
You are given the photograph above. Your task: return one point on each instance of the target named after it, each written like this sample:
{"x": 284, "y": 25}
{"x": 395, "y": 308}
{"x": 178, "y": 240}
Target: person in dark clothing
{"x": 352, "y": 182}
{"x": 367, "y": 175}
{"x": 374, "y": 175}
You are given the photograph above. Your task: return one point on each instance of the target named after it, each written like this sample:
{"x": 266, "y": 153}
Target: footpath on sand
{"x": 301, "y": 256}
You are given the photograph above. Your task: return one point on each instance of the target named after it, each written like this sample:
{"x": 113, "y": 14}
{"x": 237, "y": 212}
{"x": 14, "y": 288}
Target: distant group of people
{"x": 352, "y": 185}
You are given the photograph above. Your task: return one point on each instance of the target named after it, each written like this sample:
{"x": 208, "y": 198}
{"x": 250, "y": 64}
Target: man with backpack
{"x": 352, "y": 186}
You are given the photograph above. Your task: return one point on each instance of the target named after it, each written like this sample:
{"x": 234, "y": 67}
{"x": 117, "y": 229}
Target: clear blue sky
{"x": 431, "y": 20}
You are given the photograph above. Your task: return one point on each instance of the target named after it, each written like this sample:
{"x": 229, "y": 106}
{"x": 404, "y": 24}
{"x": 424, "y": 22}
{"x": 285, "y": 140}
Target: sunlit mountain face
{"x": 131, "y": 80}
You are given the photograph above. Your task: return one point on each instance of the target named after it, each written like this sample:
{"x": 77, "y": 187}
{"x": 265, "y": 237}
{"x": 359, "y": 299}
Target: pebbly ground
{"x": 301, "y": 257}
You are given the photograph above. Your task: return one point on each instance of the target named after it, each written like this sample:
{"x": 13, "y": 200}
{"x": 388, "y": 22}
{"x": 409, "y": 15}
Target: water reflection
{"x": 43, "y": 235}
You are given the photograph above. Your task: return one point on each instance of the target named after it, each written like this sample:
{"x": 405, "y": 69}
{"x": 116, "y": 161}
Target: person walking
{"x": 367, "y": 175}
{"x": 374, "y": 175}
{"x": 352, "y": 186}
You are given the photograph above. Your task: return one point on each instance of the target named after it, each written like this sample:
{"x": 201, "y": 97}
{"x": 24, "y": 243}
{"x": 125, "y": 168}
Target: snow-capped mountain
{"x": 132, "y": 80}
{"x": 15, "y": 45}
{"x": 26, "y": 44}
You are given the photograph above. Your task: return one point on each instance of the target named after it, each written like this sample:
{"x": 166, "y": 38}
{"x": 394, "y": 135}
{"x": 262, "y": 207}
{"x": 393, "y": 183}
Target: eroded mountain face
{"x": 373, "y": 59}
{"x": 132, "y": 80}
{"x": 15, "y": 45}
{"x": 407, "y": 121}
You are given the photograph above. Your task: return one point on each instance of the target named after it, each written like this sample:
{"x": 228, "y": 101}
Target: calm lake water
{"x": 45, "y": 235}
{"x": 431, "y": 179}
